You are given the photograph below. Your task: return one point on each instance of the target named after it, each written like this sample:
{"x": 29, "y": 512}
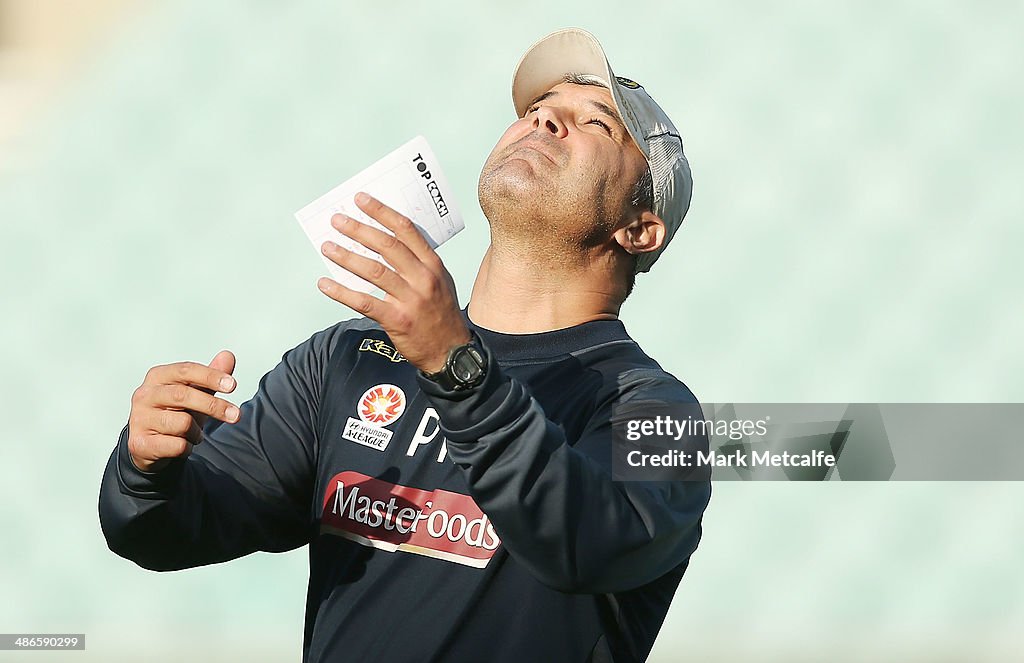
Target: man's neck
{"x": 515, "y": 294}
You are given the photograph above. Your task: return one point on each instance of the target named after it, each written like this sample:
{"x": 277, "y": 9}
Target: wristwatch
{"x": 465, "y": 368}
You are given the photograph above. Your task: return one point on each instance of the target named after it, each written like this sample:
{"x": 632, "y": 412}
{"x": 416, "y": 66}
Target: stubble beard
{"x": 546, "y": 220}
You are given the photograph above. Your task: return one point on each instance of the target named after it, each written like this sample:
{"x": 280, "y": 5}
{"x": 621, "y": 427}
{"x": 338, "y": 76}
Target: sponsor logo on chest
{"x": 435, "y": 523}
{"x": 381, "y": 405}
{"x": 381, "y": 348}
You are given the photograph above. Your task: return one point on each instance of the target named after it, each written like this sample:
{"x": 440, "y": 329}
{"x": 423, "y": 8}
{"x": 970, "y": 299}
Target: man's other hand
{"x": 420, "y": 311}
{"x": 171, "y": 406}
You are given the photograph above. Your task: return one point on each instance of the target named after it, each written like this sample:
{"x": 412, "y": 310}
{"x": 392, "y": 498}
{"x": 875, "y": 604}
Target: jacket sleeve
{"x": 554, "y": 504}
{"x": 246, "y": 487}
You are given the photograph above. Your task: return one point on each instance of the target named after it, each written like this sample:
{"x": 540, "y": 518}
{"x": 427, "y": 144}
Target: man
{"x": 449, "y": 470}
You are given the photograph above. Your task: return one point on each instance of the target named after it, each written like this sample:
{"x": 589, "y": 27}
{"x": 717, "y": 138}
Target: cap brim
{"x": 569, "y": 51}
{"x": 547, "y": 62}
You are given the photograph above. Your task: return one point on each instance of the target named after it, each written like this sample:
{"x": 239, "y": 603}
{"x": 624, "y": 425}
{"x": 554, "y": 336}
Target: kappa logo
{"x": 383, "y": 349}
{"x": 379, "y": 406}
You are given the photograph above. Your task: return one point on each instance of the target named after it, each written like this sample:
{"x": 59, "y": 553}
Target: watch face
{"x": 467, "y": 365}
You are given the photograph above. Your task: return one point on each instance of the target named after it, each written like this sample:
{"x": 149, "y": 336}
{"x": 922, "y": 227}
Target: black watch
{"x": 465, "y": 368}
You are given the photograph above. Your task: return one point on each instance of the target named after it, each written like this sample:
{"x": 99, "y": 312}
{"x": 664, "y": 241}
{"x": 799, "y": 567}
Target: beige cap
{"x": 576, "y": 51}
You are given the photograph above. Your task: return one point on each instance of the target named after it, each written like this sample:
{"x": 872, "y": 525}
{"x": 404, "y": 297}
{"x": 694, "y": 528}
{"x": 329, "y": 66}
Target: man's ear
{"x": 643, "y": 234}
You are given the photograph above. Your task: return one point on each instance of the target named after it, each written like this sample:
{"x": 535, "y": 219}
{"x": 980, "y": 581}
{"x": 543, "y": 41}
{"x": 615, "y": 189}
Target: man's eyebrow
{"x": 609, "y": 111}
{"x": 546, "y": 95}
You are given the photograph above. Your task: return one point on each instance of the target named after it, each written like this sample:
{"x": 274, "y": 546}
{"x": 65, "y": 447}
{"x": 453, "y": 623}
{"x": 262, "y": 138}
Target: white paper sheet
{"x": 408, "y": 180}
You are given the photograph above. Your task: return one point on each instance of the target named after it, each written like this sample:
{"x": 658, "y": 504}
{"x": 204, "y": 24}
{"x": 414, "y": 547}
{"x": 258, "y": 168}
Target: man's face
{"x": 564, "y": 173}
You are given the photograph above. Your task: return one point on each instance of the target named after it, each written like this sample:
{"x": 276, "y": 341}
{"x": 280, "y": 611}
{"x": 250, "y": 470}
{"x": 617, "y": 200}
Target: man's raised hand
{"x": 171, "y": 406}
{"x": 420, "y": 312}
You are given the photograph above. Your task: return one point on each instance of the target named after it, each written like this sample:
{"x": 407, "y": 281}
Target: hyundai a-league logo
{"x": 381, "y": 405}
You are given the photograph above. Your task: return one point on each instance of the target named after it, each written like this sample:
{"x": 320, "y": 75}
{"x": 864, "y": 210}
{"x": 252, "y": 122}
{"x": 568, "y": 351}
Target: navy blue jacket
{"x": 481, "y": 525}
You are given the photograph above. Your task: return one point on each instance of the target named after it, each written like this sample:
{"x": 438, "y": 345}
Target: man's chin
{"x": 512, "y": 183}
{"x": 514, "y": 205}
{"x": 521, "y": 168}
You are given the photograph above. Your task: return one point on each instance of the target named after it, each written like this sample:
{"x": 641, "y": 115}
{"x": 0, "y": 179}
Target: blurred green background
{"x": 853, "y": 236}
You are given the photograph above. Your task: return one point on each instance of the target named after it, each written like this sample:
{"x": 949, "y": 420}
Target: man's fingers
{"x": 164, "y": 422}
{"x": 161, "y": 434}
{"x": 224, "y": 361}
{"x": 193, "y": 373}
{"x": 360, "y": 302}
{"x": 150, "y": 450}
{"x": 185, "y": 397}
{"x": 171, "y": 405}
{"x": 397, "y": 223}
{"x": 392, "y": 248}
{"x": 174, "y": 423}
{"x": 170, "y": 447}
{"x": 194, "y": 434}
{"x": 373, "y": 271}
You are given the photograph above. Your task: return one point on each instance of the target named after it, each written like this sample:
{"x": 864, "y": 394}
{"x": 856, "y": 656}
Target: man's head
{"x": 593, "y": 169}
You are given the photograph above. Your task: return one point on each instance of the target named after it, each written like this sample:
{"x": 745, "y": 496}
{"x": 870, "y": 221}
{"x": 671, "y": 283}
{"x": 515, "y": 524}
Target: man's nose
{"x": 550, "y": 119}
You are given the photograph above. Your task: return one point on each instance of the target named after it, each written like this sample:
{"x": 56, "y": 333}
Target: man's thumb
{"x": 224, "y": 361}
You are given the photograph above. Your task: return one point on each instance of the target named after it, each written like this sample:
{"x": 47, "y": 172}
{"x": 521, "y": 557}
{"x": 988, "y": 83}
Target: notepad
{"x": 410, "y": 181}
